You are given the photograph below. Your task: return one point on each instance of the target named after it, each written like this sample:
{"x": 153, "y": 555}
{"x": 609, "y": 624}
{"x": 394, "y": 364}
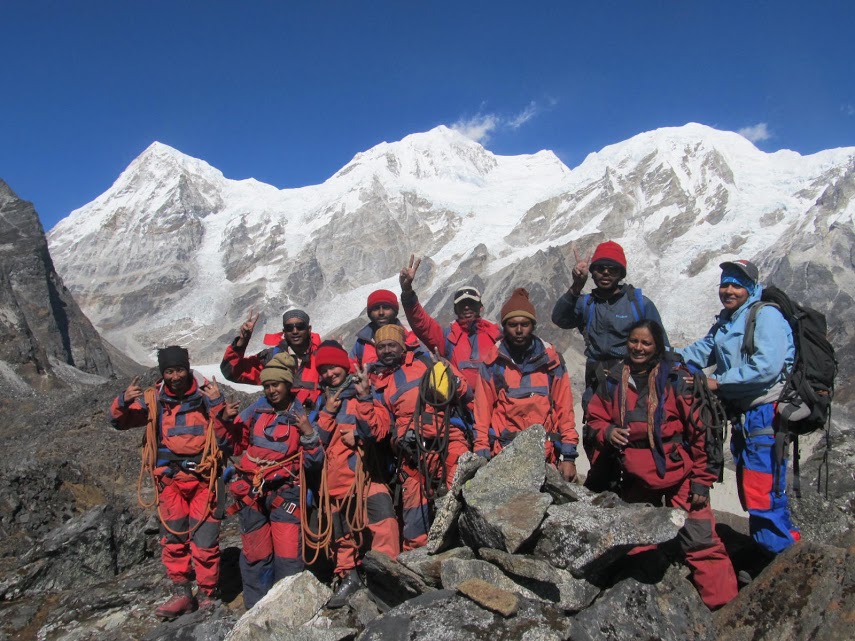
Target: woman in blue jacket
{"x": 750, "y": 384}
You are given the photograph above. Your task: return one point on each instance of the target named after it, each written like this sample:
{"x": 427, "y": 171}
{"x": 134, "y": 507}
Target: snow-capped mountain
{"x": 176, "y": 252}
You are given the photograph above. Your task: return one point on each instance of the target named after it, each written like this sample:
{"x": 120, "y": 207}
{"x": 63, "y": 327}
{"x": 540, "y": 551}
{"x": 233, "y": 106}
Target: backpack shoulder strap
{"x": 587, "y": 315}
{"x": 748, "y": 346}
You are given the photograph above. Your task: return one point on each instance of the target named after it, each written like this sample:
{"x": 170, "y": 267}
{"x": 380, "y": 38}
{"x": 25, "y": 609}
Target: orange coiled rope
{"x": 208, "y": 467}
{"x": 353, "y": 506}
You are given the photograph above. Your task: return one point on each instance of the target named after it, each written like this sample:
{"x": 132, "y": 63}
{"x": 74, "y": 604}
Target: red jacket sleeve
{"x": 374, "y": 413}
{"x": 424, "y": 325}
{"x": 564, "y": 417}
{"x": 239, "y": 368}
{"x": 124, "y": 417}
{"x": 485, "y": 402}
{"x": 601, "y": 417}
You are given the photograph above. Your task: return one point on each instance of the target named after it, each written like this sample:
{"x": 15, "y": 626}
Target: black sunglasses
{"x": 290, "y": 327}
{"x": 606, "y": 269}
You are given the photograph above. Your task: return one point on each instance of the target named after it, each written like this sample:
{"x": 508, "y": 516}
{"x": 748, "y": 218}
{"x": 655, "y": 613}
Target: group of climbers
{"x": 368, "y": 440}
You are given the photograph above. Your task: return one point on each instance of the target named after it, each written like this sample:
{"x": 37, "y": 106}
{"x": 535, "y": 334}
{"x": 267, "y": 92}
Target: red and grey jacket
{"x": 239, "y": 368}
{"x": 363, "y": 351}
{"x": 664, "y": 447}
{"x": 266, "y": 437}
{"x": 367, "y": 418}
{"x": 399, "y": 390}
{"x": 464, "y": 344}
{"x": 182, "y": 422}
{"x": 511, "y": 397}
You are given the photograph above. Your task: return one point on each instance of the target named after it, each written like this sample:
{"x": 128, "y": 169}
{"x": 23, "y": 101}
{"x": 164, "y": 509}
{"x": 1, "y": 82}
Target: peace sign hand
{"x": 248, "y": 326}
{"x": 580, "y": 271}
{"x": 133, "y": 391}
{"x": 408, "y": 273}
{"x": 332, "y": 402}
{"x": 363, "y": 383}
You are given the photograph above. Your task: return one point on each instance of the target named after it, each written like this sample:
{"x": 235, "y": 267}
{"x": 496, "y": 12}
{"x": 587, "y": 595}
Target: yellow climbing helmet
{"x": 439, "y": 382}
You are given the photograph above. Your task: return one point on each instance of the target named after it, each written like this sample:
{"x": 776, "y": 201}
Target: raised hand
{"x": 580, "y": 271}
{"x": 363, "y": 382}
{"x": 248, "y": 326}
{"x": 133, "y": 391}
{"x": 332, "y": 402}
{"x": 305, "y": 426}
{"x": 230, "y": 410}
{"x": 211, "y": 390}
{"x": 408, "y": 273}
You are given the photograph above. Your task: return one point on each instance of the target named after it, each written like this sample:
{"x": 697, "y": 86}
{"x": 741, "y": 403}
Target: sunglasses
{"x": 606, "y": 269}
{"x": 290, "y": 327}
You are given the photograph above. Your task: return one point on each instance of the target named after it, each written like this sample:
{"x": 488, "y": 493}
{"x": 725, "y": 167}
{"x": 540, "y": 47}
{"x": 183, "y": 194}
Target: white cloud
{"x": 477, "y": 128}
{"x": 482, "y": 126}
{"x": 524, "y": 116}
{"x": 848, "y": 110}
{"x": 756, "y": 133}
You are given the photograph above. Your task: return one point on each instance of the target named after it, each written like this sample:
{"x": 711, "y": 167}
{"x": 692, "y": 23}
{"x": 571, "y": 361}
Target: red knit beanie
{"x": 383, "y": 296}
{"x": 518, "y": 305}
{"x": 331, "y": 353}
{"x": 609, "y": 252}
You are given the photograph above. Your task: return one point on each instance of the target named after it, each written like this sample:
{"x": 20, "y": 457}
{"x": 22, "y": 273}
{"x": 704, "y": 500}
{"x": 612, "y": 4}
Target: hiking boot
{"x": 208, "y": 600}
{"x": 348, "y": 586}
{"x": 182, "y": 602}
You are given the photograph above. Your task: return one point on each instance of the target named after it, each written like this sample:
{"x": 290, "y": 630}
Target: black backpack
{"x": 804, "y": 405}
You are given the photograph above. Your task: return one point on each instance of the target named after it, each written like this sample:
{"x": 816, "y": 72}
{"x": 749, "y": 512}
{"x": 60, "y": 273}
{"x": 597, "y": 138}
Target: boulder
{"x": 390, "y": 581}
{"x": 805, "y": 593}
{"x": 443, "y": 530}
{"x": 503, "y": 505}
{"x": 292, "y": 603}
{"x": 585, "y": 539}
{"x": 544, "y": 581}
{"x": 457, "y": 571}
{"x": 490, "y": 597}
{"x": 429, "y": 566}
{"x": 670, "y": 610}
{"x": 451, "y": 617}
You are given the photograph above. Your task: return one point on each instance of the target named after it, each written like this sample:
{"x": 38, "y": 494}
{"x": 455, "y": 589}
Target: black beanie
{"x": 173, "y": 356}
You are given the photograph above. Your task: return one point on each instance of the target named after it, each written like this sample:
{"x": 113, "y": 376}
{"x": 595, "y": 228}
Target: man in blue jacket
{"x": 750, "y": 385}
{"x": 603, "y": 317}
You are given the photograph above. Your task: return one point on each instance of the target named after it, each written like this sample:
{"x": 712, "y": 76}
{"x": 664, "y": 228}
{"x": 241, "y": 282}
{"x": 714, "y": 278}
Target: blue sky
{"x": 288, "y": 91}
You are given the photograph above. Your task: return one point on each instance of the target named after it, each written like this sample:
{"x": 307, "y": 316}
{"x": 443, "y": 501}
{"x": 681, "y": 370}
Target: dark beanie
{"x": 173, "y": 356}
{"x": 295, "y": 313}
{"x": 331, "y": 353}
{"x": 518, "y": 305}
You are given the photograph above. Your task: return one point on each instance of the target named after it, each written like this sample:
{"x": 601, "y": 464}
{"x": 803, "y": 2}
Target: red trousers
{"x": 184, "y": 502}
{"x": 712, "y": 571}
{"x": 382, "y": 531}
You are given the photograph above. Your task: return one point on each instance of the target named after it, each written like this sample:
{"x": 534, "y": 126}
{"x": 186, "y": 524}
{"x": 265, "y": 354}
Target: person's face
{"x": 277, "y": 392}
{"x": 296, "y": 332}
{"x": 640, "y": 346}
{"x": 467, "y": 310}
{"x": 732, "y": 296}
{"x": 606, "y": 276}
{"x": 389, "y": 353}
{"x": 519, "y": 331}
{"x": 332, "y": 375}
{"x": 382, "y": 314}
{"x": 177, "y": 379}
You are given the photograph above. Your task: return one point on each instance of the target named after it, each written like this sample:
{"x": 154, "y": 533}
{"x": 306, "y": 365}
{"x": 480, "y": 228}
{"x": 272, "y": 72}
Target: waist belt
{"x": 644, "y": 444}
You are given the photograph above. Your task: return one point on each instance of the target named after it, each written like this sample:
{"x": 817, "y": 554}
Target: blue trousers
{"x": 762, "y": 480}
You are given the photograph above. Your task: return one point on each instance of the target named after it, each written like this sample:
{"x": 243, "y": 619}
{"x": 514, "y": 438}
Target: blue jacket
{"x": 605, "y": 325}
{"x": 747, "y": 379}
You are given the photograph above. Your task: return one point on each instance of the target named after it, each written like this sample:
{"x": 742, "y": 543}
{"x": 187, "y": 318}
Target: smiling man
{"x": 382, "y": 309}
{"x": 466, "y": 341}
{"x": 296, "y": 339}
{"x": 750, "y": 385}
{"x": 524, "y": 382}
